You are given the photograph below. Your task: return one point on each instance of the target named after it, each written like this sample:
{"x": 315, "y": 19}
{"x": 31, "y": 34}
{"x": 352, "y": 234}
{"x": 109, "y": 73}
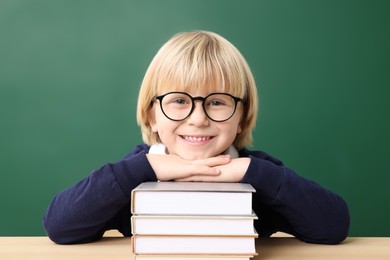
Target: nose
{"x": 198, "y": 116}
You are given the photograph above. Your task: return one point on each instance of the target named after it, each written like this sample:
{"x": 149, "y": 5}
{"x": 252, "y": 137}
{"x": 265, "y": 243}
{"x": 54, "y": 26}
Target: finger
{"x": 214, "y": 161}
{"x": 194, "y": 170}
{"x": 198, "y": 178}
{"x": 187, "y": 171}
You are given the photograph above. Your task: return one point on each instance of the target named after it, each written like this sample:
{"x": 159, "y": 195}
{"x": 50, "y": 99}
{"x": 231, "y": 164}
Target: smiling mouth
{"x": 196, "y": 139}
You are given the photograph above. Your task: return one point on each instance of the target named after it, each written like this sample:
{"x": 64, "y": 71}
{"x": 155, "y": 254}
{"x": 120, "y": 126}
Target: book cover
{"x": 194, "y": 245}
{"x": 192, "y": 198}
{"x": 194, "y": 225}
{"x": 189, "y": 257}
{"x": 195, "y": 186}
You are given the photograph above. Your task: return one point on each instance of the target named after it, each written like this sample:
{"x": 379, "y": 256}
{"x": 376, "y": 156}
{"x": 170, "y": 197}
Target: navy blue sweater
{"x": 283, "y": 201}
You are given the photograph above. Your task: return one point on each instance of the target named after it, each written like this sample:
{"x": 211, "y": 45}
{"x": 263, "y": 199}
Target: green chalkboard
{"x": 70, "y": 73}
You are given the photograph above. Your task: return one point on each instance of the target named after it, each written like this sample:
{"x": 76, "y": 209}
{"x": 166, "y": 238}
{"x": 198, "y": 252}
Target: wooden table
{"x": 114, "y": 248}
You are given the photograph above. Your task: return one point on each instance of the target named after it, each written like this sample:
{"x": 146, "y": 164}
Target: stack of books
{"x": 193, "y": 220}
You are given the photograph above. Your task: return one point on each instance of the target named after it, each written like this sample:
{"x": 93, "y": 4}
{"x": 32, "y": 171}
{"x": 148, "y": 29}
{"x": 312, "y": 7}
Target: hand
{"x": 233, "y": 171}
{"x": 172, "y": 167}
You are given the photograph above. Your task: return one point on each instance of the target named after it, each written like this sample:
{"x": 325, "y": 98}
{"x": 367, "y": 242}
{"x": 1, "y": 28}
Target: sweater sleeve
{"x": 83, "y": 212}
{"x": 290, "y": 203}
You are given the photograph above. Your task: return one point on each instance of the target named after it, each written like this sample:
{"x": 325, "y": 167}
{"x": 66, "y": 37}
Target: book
{"x": 193, "y": 220}
{"x": 192, "y": 198}
{"x": 191, "y": 224}
{"x": 194, "y": 245}
{"x": 189, "y": 257}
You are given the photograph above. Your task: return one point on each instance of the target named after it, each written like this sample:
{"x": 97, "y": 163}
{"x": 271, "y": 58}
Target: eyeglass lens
{"x": 217, "y": 106}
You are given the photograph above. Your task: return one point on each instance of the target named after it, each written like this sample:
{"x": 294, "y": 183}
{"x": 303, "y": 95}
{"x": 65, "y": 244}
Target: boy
{"x": 197, "y": 109}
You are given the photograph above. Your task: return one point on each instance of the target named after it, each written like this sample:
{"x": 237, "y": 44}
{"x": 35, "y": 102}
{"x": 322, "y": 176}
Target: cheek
{"x": 161, "y": 124}
{"x": 231, "y": 130}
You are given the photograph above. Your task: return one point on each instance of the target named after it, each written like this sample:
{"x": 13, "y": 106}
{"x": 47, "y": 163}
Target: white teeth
{"x": 196, "y": 139}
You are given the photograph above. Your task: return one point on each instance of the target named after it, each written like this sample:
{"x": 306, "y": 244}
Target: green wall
{"x": 70, "y": 72}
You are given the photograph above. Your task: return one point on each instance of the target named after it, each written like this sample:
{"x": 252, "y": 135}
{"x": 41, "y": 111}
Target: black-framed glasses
{"x": 178, "y": 106}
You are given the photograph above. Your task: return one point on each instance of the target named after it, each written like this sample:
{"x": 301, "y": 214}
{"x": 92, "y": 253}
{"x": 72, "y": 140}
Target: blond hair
{"x": 199, "y": 60}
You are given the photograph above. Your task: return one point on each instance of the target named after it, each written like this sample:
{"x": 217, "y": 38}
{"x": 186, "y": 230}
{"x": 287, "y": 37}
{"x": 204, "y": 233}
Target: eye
{"x": 180, "y": 101}
{"x": 216, "y": 103}
{"x": 175, "y": 99}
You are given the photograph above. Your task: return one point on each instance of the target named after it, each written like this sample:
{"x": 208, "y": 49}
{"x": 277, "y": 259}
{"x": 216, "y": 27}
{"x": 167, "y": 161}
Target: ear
{"x": 241, "y": 124}
{"x": 239, "y": 128}
{"x": 152, "y": 119}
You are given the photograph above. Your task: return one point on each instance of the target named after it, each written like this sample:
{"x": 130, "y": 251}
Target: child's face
{"x": 197, "y": 136}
